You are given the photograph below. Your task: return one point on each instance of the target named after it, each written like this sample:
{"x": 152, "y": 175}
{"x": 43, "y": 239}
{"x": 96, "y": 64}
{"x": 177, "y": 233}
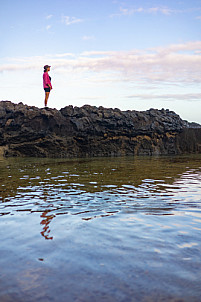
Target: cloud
{"x": 162, "y": 10}
{"x": 173, "y": 48}
{"x": 151, "y": 10}
{"x": 49, "y": 17}
{"x": 168, "y": 97}
{"x": 97, "y": 53}
{"x": 70, "y": 20}
{"x": 123, "y": 11}
{"x": 48, "y": 27}
{"x": 87, "y": 38}
{"x": 130, "y": 11}
{"x": 175, "y": 64}
{"x": 62, "y": 55}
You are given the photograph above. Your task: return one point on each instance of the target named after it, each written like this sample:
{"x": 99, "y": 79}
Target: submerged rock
{"x": 93, "y": 131}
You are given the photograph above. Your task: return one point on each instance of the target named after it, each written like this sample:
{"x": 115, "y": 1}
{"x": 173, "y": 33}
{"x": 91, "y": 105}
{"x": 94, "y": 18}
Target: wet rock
{"x": 93, "y": 131}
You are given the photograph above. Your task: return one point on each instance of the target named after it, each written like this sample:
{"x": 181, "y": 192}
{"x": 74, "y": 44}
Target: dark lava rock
{"x": 93, "y": 131}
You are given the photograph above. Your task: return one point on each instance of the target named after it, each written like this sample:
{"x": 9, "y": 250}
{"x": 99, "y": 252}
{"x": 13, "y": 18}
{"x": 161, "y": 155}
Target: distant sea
{"x": 101, "y": 229}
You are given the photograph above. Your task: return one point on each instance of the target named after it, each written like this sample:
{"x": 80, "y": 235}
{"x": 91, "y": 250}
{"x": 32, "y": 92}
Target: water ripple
{"x": 100, "y": 229}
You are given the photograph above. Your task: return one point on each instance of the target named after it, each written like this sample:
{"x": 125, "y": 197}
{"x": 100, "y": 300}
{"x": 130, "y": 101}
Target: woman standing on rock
{"x": 47, "y": 83}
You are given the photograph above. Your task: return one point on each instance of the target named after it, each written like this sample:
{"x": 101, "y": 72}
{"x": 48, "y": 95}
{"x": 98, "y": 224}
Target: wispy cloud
{"x": 177, "y": 63}
{"x": 87, "y": 38}
{"x": 62, "y": 55}
{"x": 48, "y": 27}
{"x": 67, "y": 20}
{"x": 162, "y": 10}
{"x": 49, "y": 17}
{"x": 168, "y": 97}
{"x": 128, "y": 11}
{"x": 152, "y": 10}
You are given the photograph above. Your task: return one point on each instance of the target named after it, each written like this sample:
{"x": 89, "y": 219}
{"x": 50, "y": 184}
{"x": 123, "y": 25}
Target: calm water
{"x": 106, "y": 229}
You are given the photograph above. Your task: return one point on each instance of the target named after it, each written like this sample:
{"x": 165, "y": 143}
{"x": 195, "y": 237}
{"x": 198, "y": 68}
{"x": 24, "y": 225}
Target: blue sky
{"x": 126, "y": 54}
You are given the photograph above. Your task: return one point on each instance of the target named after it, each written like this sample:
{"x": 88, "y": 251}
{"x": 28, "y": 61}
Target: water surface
{"x": 104, "y": 229}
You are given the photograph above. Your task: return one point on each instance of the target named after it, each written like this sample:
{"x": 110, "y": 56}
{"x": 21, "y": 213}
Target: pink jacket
{"x": 46, "y": 80}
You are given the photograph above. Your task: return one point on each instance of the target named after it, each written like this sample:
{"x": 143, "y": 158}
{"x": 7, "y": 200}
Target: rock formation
{"x": 91, "y": 131}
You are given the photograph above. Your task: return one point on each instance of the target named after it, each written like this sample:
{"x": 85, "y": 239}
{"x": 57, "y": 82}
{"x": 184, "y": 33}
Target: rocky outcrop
{"x": 91, "y": 131}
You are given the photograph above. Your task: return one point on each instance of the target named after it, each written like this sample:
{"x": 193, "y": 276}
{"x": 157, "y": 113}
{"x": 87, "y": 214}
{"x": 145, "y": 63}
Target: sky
{"x": 129, "y": 54}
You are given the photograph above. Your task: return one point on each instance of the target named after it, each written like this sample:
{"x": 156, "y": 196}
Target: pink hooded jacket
{"x": 46, "y": 80}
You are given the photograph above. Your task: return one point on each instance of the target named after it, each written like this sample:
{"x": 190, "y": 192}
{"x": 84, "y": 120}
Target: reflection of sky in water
{"x": 108, "y": 228}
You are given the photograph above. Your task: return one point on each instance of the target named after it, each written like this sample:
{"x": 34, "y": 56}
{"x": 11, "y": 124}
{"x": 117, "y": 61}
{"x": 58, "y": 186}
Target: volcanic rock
{"x": 93, "y": 131}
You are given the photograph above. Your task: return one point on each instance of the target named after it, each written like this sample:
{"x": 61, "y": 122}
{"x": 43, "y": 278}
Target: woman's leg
{"x": 46, "y": 98}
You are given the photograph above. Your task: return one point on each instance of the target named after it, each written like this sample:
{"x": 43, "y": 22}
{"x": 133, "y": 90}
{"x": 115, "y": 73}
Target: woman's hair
{"x": 46, "y": 67}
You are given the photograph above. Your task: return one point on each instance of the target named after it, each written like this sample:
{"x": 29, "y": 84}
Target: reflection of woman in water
{"x": 45, "y": 222}
{"x": 46, "y": 83}
{"x": 46, "y": 219}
